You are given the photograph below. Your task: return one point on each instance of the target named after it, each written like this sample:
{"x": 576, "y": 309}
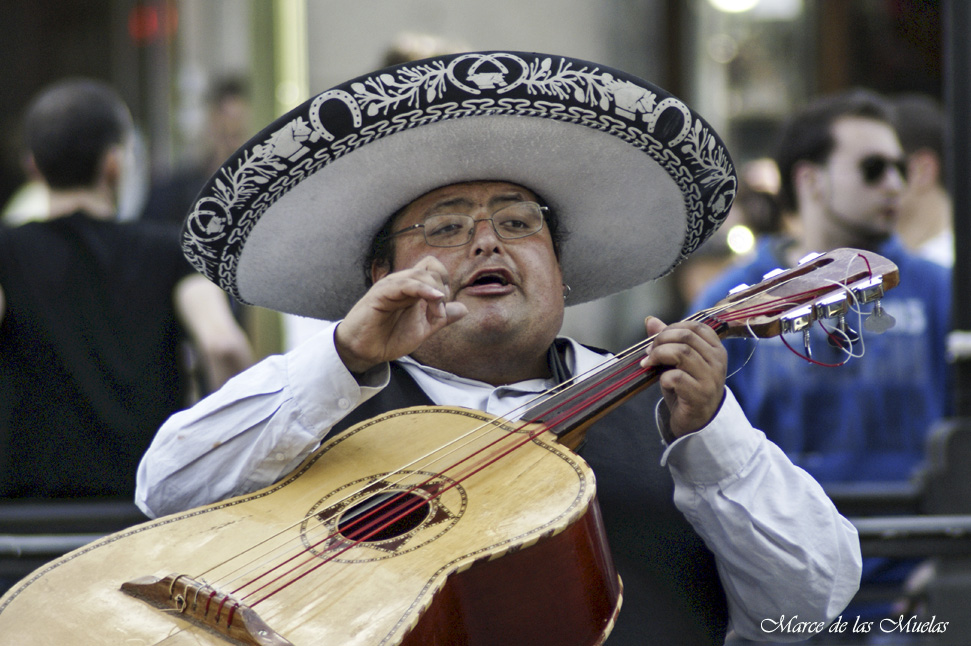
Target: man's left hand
{"x": 693, "y": 384}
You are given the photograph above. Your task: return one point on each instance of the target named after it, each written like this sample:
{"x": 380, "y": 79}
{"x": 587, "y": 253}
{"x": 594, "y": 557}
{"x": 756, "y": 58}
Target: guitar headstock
{"x": 822, "y": 286}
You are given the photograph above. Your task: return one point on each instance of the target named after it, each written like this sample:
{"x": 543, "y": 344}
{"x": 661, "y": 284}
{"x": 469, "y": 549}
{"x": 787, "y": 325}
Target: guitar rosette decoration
{"x": 637, "y": 179}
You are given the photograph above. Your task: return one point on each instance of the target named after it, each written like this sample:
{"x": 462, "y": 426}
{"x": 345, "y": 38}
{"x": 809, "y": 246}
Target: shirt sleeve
{"x": 781, "y": 547}
{"x": 257, "y": 428}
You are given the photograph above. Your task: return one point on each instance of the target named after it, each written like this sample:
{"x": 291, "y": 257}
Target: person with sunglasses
{"x": 843, "y": 173}
{"x": 441, "y": 215}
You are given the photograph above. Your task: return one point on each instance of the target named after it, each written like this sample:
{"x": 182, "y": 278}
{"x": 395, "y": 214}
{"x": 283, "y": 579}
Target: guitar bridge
{"x": 207, "y": 607}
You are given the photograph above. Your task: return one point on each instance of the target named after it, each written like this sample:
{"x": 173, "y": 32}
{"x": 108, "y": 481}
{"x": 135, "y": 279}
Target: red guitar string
{"x": 415, "y": 504}
{"x": 593, "y": 383}
{"x": 402, "y": 494}
{"x": 396, "y": 514}
{"x": 391, "y": 501}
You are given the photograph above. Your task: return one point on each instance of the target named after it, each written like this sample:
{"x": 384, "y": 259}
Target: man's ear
{"x": 807, "y": 181}
{"x": 923, "y": 168}
{"x": 379, "y": 269}
{"x": 111, "y": 165}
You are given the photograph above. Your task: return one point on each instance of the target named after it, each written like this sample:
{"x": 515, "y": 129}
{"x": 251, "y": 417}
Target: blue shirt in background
{"x": 868, "y": 419}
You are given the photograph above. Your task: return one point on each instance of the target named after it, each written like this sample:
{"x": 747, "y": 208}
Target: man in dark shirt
{"x": 92, "y": 314}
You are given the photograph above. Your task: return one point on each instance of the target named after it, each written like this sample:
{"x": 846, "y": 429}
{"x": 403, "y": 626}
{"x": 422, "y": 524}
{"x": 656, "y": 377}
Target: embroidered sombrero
{"x": 637, "y": 179}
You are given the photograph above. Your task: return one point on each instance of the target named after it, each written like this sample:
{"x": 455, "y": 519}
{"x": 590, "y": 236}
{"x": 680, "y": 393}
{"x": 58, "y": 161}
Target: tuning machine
{"x": 797, "y": 320}
{"x": 871, "y": 291}
{"x": 835, "y": 307}
{"x": 831, "y": 306}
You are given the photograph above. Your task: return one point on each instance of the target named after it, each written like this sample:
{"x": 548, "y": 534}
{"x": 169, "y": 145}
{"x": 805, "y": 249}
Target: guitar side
{"x": 493, "y": 554}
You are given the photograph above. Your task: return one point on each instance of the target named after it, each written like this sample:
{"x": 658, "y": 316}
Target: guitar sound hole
{"x": 383, "y": 516}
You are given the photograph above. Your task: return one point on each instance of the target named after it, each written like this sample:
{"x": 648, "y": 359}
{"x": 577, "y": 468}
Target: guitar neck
{"x": 822, "y": 286}
{"x": 570, "y": 412}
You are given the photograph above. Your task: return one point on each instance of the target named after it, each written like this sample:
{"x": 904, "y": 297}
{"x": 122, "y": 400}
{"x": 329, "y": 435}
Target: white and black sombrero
{"x": 637, "y": 179}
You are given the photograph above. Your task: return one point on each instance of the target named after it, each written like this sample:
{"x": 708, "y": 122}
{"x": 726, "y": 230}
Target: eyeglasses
{"x": 517, "y": 220}
{"x": 874, "y": 167}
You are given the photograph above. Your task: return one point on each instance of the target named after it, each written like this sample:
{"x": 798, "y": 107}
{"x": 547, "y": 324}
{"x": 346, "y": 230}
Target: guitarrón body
{"x": 437, "y": 578}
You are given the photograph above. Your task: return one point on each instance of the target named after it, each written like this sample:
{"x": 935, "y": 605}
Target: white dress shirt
{"x": 778, "y": 540}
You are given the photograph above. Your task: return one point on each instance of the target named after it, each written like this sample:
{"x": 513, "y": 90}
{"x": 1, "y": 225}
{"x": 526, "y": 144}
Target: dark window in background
{"x": 891, "y": 46}
{"x": 42, "y": 41}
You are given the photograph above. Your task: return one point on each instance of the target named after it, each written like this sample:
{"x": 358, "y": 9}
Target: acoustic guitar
{"x": 423, "y": 526}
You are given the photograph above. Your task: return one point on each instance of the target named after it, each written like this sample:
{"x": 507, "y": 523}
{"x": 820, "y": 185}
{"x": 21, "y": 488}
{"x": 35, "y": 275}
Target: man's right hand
{"x": 396, "y": 315}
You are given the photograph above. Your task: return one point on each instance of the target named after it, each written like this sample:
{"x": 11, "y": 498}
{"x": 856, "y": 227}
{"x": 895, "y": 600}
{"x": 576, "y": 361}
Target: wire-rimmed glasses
{"x": 518, "y": 220}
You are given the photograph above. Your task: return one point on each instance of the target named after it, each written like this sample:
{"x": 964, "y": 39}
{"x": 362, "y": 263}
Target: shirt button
{"x": 343, "y": 403}
{"x": 280, "y": 457}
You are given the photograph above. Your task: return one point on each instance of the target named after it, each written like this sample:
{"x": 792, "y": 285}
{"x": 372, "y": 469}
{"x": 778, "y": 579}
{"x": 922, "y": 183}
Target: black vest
{"x": 672, "y": 593}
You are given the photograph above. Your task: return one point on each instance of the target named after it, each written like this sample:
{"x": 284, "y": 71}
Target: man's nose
{"x": 899, "y": 179}
{"x": 484, "y": 234}
{"x": 894, "y": 179}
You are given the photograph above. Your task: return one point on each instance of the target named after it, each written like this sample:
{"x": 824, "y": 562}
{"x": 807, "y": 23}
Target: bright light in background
{"x": 289, "y": 94}
{"x": 734, "y": 6}
{"x": 741, "y": 240}
{"x": 761, "y": 9}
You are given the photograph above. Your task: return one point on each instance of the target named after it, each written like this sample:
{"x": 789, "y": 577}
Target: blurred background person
{"x": 843, "y": 176}
{"x": 92, "y": 312}
{"x": 926, "y": 211}
{"x": 227, "y": 128}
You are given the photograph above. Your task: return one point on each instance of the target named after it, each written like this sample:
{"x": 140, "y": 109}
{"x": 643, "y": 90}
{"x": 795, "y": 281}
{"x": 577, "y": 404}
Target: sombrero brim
{"x": 637, "y": 179}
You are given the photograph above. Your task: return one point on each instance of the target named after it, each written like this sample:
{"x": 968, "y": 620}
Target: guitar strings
{"x": 468, "y": 436}
{"x": 612, "y": 362}
{"x": 382, "y": 518}
{"x": 569, "y": 384}
{"x": 644, "y": 345}
{"x": 412, "y": 505}
{"x": 567, "y": 414}
{"x": 607, "y": 364}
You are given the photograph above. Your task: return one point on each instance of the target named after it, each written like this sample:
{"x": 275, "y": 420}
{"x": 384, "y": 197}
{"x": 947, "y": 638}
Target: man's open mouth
{"x": 498, "y": 277}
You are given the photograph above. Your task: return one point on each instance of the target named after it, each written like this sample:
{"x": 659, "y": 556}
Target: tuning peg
{"x": 847, "y": 334}
{"x": 879, "y": 320}
{"x": 807, "y": 343}
{"x": 809, "y": 257}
